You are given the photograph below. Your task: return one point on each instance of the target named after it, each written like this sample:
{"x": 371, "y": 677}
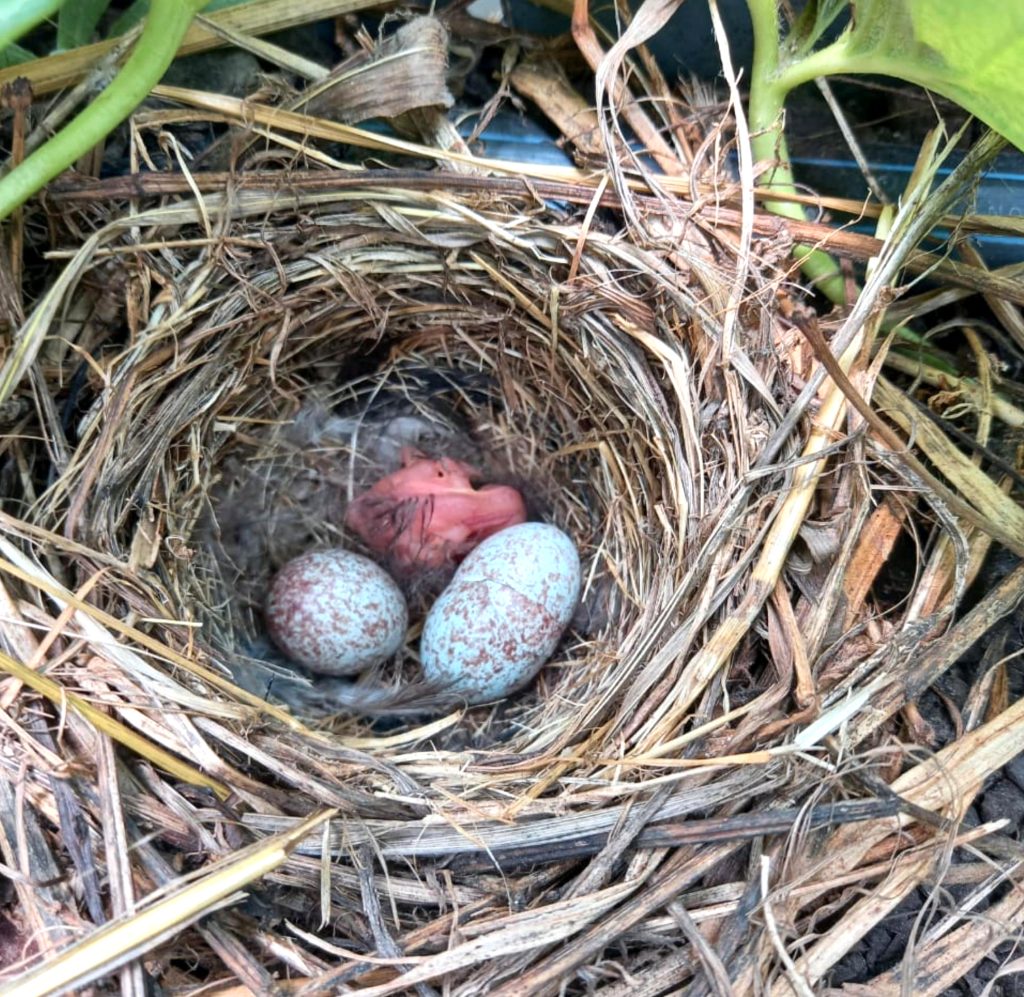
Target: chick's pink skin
{"x": 429, "y": 515}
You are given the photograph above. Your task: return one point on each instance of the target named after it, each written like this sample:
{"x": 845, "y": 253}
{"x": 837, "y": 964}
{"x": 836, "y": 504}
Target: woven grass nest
{"x": 708, "y": 770}
{"x": 305, "y": 389}
{"x": 229, "y": 434}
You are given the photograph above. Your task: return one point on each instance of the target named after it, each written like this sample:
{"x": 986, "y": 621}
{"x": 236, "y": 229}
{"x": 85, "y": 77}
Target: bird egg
{"x": 335, "y": 612}
{"x": 504, "y": 612}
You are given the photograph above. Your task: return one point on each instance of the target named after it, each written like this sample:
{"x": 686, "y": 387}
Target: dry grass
{"x": 714, "y": 787}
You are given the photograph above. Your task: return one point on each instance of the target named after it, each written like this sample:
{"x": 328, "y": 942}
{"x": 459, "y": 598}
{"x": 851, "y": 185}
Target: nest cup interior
{"x": 255, "y": 417}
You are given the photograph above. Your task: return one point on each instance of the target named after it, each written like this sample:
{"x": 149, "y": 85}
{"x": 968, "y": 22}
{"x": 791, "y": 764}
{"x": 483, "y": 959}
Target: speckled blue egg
{"x": 335, "y": 612}
{"x": 503, "y": 614}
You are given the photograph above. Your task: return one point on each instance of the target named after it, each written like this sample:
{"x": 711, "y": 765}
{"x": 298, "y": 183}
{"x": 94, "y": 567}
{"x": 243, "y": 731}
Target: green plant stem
{"x": 840, "y": 58}
{"x": 768, "y": 89}
{"x": 18, "y": 17}
{"x": 153, "y": 53}
{"x": 828, "y": 61}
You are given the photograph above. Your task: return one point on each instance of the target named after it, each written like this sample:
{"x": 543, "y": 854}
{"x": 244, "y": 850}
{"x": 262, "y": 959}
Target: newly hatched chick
{"x": 428, "y": 515}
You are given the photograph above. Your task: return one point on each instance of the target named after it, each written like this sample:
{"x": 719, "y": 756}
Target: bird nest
{"x": 237, "y": 376}
{"x": 406, "y": 318}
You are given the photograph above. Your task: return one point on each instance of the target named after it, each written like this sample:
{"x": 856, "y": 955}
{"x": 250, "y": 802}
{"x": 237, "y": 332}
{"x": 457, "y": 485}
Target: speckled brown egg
{"x": 335, "y": 612}
{"x": 503, "y": 613}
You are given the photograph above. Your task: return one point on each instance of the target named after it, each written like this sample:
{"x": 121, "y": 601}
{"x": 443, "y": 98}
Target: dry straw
{"x": 708, "y": 783}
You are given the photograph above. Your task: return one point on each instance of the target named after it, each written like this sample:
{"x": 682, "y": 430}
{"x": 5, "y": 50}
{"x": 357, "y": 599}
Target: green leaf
{"x": 812, "y": 23}
{"x": 77, "y": 22}
{"x": 973, "y": 53}
{"x": 13, "y": 55}
{"x": 970, "y": 51}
